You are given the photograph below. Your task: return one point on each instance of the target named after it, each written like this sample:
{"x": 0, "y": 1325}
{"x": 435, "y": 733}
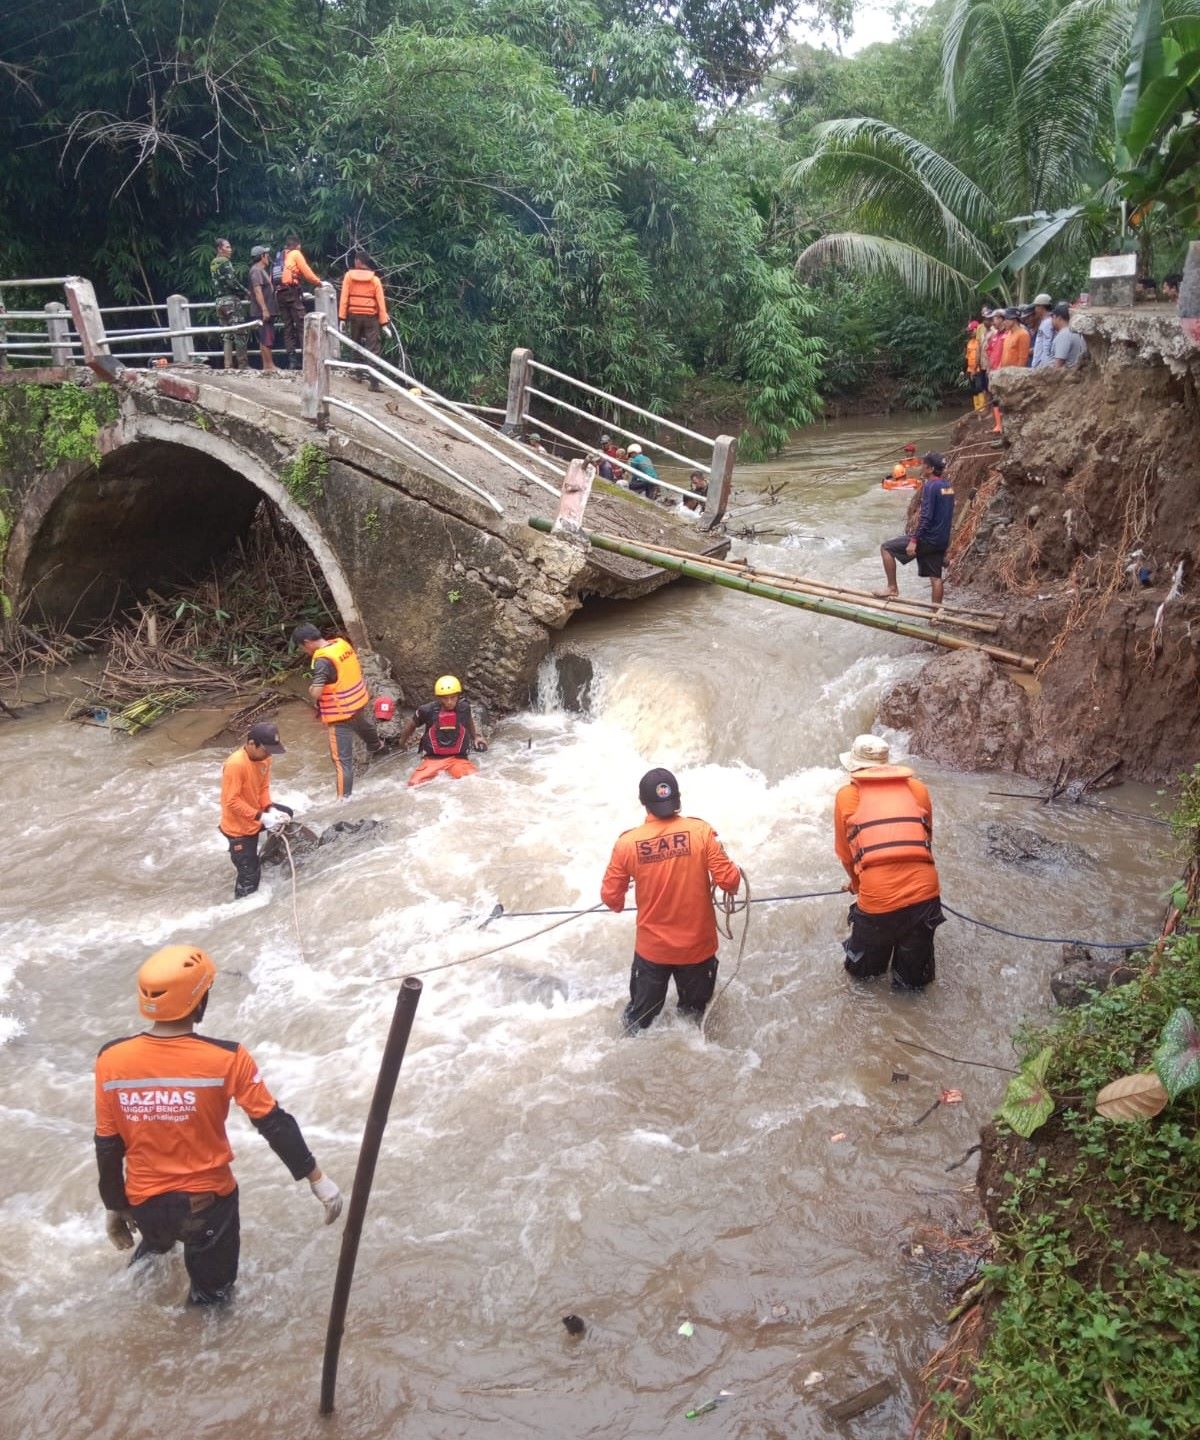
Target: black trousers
{"x": 291, "y": 314}
{"x": 341, "y": 747}
{"x": 210, "y": 1230}
{"x": 243, "y": 851}
{"x": 648, "y": 984}
{"x": 902, "y": 939}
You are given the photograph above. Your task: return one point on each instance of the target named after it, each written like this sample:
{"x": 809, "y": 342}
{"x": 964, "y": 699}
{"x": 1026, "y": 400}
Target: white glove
{"x": 119, "y": 1229}
{"x": 327, "y": 1192}
{"x": 273, "y": 819}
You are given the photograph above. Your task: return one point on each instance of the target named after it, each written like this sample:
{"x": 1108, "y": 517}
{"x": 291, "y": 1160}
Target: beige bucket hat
{"x": 866, "y": 751}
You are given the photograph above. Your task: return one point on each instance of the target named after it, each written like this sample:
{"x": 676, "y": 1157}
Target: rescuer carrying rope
{"x": 162, "y": 1099}
{"x": 246, "y": 805}
{"x": 450, "y": 734}
{"x": 339, "y": 693}
{"x": 883, "y": 835}
{"x": 671, "y": 859}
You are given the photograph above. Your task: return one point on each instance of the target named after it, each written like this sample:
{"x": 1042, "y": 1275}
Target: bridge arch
{"x": 163, "y": 500}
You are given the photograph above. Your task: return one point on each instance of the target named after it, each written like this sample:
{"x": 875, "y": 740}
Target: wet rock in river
{"x": 1027, "y": 849}
{"x": 527, "y": 987}
{"x": 1085, "y": 975}
{"x": 962, "y": 710}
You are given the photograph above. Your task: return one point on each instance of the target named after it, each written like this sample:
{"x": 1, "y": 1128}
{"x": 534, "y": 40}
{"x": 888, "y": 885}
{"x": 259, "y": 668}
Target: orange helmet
{"x": 174, "y": 981}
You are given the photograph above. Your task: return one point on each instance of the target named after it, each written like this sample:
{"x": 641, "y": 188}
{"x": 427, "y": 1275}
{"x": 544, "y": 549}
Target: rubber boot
{"x": 978, "y": 400}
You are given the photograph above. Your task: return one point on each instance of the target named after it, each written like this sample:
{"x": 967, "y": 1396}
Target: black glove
{"x": 287, "y": 809}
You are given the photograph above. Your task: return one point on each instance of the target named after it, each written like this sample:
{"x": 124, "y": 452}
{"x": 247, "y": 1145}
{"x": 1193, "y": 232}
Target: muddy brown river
{"x": 537, "y": 1163}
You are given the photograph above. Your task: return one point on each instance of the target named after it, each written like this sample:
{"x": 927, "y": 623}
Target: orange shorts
{"x": 458, "y": 767}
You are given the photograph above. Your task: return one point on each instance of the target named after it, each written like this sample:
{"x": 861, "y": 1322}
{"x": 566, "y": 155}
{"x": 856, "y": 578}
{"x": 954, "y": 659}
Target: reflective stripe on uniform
{"x": 161, "y": 1082}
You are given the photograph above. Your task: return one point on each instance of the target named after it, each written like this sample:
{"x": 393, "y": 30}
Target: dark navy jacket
{"x": 937, "y": 513}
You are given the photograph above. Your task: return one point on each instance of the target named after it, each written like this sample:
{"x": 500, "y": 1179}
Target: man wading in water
{"x": 449, "y": 737}
{"x": 883, "y": 835}
{"x": 671, "y": 859}
{"x": 162, "y": 1099}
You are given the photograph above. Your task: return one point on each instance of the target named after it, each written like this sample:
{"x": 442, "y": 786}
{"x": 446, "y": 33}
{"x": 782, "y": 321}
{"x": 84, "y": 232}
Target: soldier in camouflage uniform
{"x": 230, "y": 293}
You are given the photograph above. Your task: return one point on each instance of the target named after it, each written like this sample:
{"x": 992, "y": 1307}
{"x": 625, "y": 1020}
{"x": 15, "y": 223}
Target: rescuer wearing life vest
{"x": 671, "y": 859}
{"x": 906, "y": 473}
{"x": 883, "y": 835}
{"x": 339, "y": 693}
{"x": 246, "y": 805}
{"x": 289, "y": 295}
{"x": 162, "y": 1098}
{"x": 449, "y": 737}
{"x": 363, "y": 307}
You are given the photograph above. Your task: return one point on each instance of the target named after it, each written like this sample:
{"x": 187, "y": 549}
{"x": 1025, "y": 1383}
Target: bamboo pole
{"x": 801, "y": 586}
{"x": 746, "y": 567}
{"x": 839, "y": 609}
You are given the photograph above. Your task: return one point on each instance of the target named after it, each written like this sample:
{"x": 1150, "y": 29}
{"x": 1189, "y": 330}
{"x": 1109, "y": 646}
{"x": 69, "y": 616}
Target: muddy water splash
{"x": 536, "y": 1163}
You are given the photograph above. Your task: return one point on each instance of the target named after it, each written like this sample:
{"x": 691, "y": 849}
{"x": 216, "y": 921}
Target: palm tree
{"x": 1029, "y": 85}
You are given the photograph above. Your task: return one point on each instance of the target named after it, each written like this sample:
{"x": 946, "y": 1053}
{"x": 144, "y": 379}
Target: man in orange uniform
{"x": 289, "y": 295}
{"x": 246, "y": 800}
{"x": 671, "y": 859}
{"x": 162, "y": 1099}
{"x": 450, "y": 734}
{"x": 339, "y": 693}
{"x": 363, "y": 307}
{"x": 883, "y": 835}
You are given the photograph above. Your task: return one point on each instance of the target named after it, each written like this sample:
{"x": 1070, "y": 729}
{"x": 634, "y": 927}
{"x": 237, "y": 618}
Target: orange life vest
{"x": 348, "y": 692}
{"x": 359, "y": 295}
{"x": 972, "y": 355}
{"x": 888, "y": 811}
{"x": 901, "y": 477}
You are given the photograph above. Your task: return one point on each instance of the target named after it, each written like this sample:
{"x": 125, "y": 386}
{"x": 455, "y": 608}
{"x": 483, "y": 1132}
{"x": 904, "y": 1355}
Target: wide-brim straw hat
{"x": 866, "y": 751}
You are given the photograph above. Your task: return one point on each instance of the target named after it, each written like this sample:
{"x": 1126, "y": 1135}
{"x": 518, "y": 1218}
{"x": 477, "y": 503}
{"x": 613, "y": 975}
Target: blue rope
{"x": 1051, "y": 939}
{"x": 827, "y": 894}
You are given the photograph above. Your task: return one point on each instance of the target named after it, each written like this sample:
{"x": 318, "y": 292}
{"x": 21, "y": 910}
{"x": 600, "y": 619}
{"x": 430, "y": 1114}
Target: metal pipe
{"x": 165, "y": 334}
{"x": 703, "y": 571}
{"x": 620, "y": 429}
{"x": 48, "y": 280}
{"x": 626, "y": 404}
{"x": 612, "y": 459}
{"x": 379, "y": 364}
{"x": 364, "y": 1174}
{"x": 424, "y": 454}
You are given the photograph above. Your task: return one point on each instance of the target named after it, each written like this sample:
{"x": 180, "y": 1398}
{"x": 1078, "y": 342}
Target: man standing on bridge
{"x": 671, "y": 859}
{"x": 264, "y": 305}
{"x": 364, "y": 307}
{"x": 229, "y": 292}
{"x": 883, "y": 835}
{"x": 162, "y": 1099}
{"x": 290, "y": 296}
{"x": 930, "y": 539}
{"x": 339, "y": 693}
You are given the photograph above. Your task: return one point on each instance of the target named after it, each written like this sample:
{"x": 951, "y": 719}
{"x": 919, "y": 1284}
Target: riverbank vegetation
{"x": 1093, "y": 1303}
{"x": 626, "y": 187}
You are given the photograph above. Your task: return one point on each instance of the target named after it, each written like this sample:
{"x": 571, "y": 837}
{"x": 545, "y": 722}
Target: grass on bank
{"x": 1094, "y": 1311}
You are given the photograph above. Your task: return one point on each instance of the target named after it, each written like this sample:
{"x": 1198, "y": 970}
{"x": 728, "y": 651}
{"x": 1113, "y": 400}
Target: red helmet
{"x": 174, "y": 981}
{"x": 910, "y": 449}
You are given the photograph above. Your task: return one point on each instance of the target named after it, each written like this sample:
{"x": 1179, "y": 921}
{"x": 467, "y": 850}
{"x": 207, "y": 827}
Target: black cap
{"x": 934, "y": 460}
{"x": 1062, "y": 310}
{"x": 659, "y": 793}
{"x": 1012, "y": 313}
{"x": 305, "y": 632}
{"x": 266, "y": 734}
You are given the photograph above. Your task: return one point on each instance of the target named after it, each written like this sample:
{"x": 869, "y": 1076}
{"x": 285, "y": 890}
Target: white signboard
{"x": 1114, "y": 267}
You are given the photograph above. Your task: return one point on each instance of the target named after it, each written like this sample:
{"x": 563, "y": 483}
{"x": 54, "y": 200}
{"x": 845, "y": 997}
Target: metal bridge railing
{"x": 81, "y": 331}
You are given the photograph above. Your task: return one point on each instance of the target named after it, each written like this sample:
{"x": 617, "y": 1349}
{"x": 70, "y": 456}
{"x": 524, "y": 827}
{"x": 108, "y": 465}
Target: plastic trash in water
{"x": 687, "y": 1330}
{"x": 708, "y": 1406}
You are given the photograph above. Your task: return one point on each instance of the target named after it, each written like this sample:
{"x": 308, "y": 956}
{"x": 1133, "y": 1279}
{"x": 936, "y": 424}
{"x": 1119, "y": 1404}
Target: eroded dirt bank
{"x": 1085, "y": 530}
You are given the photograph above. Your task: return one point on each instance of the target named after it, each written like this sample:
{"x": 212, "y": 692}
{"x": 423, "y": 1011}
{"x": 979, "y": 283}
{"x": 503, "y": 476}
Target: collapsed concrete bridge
{"x": 415, "y": 514}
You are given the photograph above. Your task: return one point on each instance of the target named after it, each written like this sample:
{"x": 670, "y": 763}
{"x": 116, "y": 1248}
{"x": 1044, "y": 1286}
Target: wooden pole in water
{"x": 701, "y": 570}
{"x": 385, "y": 1088}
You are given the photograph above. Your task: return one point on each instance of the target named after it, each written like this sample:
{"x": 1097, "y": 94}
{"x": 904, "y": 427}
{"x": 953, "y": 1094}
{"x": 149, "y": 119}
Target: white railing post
{"x": 89, "y": 326}
{"x": 577, "y": 486}
{"x": 59, "y": 327}
{"x": 325, "y": 303}
{"x": 3, "y": 337}
{"x": 179, "y": 318}
{"x": 518, "y": 379}
{"x": 720, "y": 479}
{"x": 314, "y": 392}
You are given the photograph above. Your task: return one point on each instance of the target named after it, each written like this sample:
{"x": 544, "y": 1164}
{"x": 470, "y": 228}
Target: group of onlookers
{"x": 1036, "y": 336}
{"x": 274, "y": 289}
